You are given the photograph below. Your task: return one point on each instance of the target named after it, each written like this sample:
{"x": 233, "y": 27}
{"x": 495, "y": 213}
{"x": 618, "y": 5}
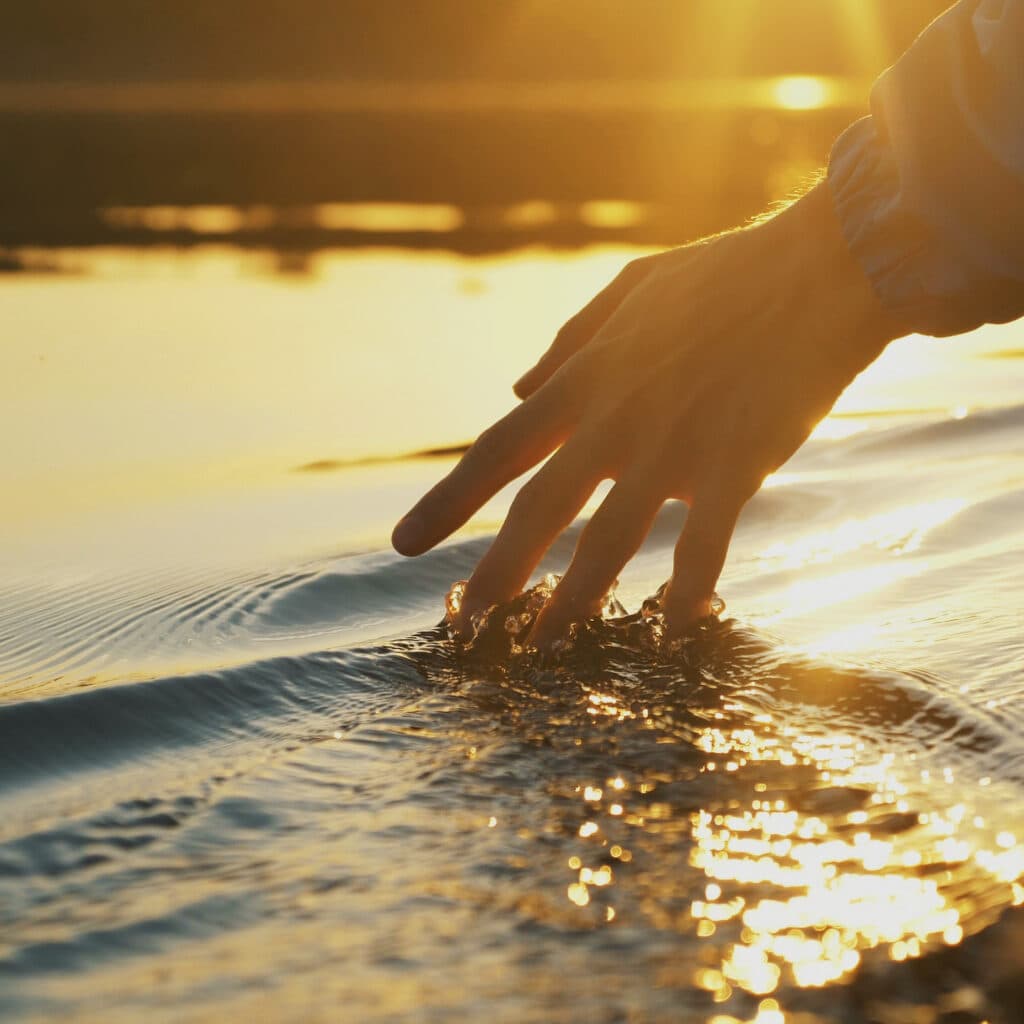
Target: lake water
{"x": 244, "y": 772}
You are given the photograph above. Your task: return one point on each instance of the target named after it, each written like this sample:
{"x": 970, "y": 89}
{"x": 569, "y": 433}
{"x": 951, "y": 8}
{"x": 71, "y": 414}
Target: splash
{"x": 502, "y": 631}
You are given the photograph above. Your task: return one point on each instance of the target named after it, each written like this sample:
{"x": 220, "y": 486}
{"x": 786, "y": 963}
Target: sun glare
{"x": 801, "y": 92}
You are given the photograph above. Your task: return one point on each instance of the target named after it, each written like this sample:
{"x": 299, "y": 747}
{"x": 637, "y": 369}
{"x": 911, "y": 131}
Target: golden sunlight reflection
{"x": 873, "y": 857}
{"x": 834, "y": 428}
{"x": 835, "y": 891}
{"x": 612, "y": 213}
{"x": 199, "y": 219}
{"x": 896, "y": 533}
{"x": 530, "y": 213}
{"x": 809, "y": 595}
{"x": 899, "y": 531}
{"x": 176, "y": 377}
{"x": 436, "y": 217}
{"x": 383, "y": 217}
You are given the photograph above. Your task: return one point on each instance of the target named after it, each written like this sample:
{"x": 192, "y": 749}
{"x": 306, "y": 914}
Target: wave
{"x": 265, "y": 702}
{"x": 259, "y": 703}
{"x": 58, "y": 634}
{"x": 941, "y": 436}
{"x": 145, "y": 819}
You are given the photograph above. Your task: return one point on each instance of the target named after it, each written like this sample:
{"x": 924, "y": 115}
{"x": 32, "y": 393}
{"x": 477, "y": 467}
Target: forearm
{"x": 930, "y": 189}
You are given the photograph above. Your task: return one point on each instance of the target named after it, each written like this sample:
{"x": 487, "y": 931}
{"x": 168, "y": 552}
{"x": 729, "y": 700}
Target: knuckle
{"x": 528, "y": 502}
{"x": 633, "y": 270}
{"x": 583, "y": 370}
{"x": 729, "y": 492}
{"x": 564, "y": 333}
{"x": 488, "y": 446}
{"x": 565, "y": 339}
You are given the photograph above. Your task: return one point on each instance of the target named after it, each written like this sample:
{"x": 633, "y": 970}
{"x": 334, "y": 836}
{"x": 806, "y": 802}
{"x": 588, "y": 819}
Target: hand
{"x": 693, "y": 375}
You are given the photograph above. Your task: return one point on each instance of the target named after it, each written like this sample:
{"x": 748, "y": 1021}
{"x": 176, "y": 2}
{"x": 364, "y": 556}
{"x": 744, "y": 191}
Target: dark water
{"x": 259, "y": 780}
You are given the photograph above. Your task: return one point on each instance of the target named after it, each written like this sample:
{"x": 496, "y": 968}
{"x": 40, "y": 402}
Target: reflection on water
{"x": 188, "y": 349}
{"x": 878, "y": 876}
{"x": 382, "y": 218}
{"x": 725, "y": 834}
{"x": 811, "y": 849}
{"x": 151, "y": 372}
{"x": 241, "y": 777}
{"x": 900, "y": 531}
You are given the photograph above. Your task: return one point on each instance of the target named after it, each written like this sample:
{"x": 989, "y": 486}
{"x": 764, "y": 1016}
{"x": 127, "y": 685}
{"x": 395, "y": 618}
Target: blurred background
{"x": 241, "y": 238}
{"x": 314, "y": 123}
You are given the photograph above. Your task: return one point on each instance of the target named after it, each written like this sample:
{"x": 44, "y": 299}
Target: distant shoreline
{"x": 693, "y": 163}
{"x": 797, "y": 92}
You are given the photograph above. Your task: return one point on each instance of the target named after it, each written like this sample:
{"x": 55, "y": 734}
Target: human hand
{"x": 693, "y": 375}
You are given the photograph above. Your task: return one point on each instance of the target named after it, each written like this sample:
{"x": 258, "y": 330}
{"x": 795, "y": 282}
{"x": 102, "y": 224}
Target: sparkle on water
{"x": 723, "y": 830}
{"x": 505, "y": 629}
{"x": 817, "y": 854}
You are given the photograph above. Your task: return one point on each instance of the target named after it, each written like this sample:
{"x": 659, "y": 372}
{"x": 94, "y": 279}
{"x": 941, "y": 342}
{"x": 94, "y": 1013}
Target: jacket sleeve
{"x": 929, "y": 188}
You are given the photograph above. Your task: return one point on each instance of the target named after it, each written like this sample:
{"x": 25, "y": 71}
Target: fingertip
{"x": 683, "y": 610}
{"x": 700, "y": 556}
{"x": 407, "y": 536}
{"x": 557, "y": 617}
{"x": 544, "y": 634}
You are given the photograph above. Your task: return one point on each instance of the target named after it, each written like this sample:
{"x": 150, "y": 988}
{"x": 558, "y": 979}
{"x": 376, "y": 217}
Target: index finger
{"x": 506, "y": 450}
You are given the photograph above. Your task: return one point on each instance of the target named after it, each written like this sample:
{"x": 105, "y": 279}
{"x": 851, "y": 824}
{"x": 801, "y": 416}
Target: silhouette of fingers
{"x": 610, "y": 539}
{"x": 542, "y": 509}
{"x": 581, "y": 328}
{"x": 699, "y": 557}
{"x": 503, "y": 452}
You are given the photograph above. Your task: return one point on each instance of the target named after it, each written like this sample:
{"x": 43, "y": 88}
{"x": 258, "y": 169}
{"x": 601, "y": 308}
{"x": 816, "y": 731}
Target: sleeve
{"x": 929, "y": 189}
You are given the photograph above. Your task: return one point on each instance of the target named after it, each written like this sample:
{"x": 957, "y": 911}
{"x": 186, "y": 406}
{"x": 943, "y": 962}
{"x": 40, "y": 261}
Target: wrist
{"x": 832, "y": 274}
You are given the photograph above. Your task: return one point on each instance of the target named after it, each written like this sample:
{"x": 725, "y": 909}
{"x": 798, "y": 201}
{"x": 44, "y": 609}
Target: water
{"x": 244, "y": 771}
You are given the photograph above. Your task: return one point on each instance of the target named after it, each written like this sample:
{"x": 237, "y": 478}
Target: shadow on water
{"x": 724, "y": 828}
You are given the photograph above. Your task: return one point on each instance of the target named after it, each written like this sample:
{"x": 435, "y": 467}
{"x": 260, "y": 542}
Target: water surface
{"x": 244, "y": 771}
